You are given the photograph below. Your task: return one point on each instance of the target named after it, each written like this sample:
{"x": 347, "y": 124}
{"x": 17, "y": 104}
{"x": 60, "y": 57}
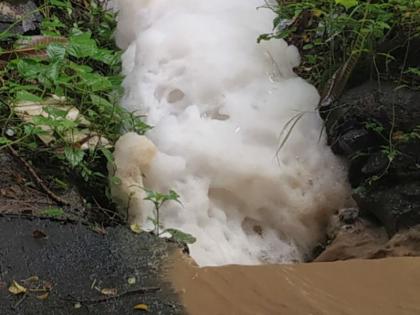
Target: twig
{"x": 23, "y": 298}
{"x": 110, "y": 213}
{"x": 110, "y": 297}
{"x": 38, "y": 179}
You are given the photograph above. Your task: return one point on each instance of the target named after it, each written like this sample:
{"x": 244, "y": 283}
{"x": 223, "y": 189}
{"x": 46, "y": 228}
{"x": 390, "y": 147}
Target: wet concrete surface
{"x": 77, "y": 264}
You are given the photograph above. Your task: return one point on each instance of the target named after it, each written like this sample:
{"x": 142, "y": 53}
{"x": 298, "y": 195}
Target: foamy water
{"x": 218, "y": 102}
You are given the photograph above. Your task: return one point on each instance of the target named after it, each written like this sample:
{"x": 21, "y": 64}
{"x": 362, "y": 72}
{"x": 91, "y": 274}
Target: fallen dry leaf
{"x": 16, "y": 288}
{"x": 43, "y": 296}
{"x": 135, "y": 228}
{"x": 109, "y": 291}
{"x": 141, "y": 307}
{"x": 77, "y": 305}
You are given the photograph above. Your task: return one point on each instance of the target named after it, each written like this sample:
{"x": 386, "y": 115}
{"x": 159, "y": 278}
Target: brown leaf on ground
{"x": 43, "y": 296}
{"x": 15, "y": 288}
{"x": 141, "y": 307}
{"x": 109, "y": 291}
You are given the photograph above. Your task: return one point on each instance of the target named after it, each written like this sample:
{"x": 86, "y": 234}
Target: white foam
{"x": 218, "y": 102}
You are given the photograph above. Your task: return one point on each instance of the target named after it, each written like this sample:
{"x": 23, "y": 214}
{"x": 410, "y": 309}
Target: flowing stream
{"x": 218, "y": 102}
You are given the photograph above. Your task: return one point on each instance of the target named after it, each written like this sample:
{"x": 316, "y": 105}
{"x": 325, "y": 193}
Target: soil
{"x": 20, "y": 192}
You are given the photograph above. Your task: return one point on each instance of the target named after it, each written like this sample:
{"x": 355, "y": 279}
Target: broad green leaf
{"x": 26, "y": 96}
{"x": 108, "y": 155}
{"x": 30, "y": 69}
{"x": 50, "y": 26}
{"x": 82, "y": 45}
{"x": 52, "y": 212}
{"x": 54, "y": 70}
{"x": 4, "y": 141}
{"x": 101, "y": 102}
{"x": 79, "y": 68}
{"x": 95, "y": 82}
{"x": 55, "y": 112}
{"x": 74, "y": 156}
{"x": 106, "y": 56}
{"x": 181, "y": 236}
{"x": 415, "y": 71}
{"x": 56, "y": 51}
{"x": 347, "y": 3}
{"x": 30, "y": 129}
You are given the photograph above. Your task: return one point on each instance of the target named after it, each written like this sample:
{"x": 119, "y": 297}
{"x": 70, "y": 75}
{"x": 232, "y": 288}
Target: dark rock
{"x": 348, "y": 215}
{"x": 353, "y": 141}
{"x": 19, "y": 16}
{"x": 377, "y": 128}
{"x": 397, "y": 206}
{"x": 376, "y": 163}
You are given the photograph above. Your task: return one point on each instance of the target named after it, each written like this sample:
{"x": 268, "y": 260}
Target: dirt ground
{"x": 21, "y": 193}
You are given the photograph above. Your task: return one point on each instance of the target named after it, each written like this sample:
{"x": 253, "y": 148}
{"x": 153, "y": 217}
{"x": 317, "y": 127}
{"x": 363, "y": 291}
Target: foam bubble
{"x": 218, "y": 102}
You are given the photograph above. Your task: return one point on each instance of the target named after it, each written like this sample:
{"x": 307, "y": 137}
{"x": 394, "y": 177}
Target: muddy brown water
{"x": 357, "y": 287}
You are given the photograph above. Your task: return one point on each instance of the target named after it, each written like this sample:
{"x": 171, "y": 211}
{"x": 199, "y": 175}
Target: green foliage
{"x": 52, "y": 212}
{"x": 391, "y": 140}
{"x": 329, "y": 32}
{"x": 158, "y": 199}
{"x": 77, "y": 62}
{"x": 180, "y": 236}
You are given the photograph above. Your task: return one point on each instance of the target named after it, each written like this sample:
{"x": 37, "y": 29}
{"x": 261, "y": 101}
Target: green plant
{"x": 329, "y": 32}
{"x": 391, "y": 141}
{"x": 72, "y": 66}
{"x": 52, "y": 212}
{"x": 158, "y": 199}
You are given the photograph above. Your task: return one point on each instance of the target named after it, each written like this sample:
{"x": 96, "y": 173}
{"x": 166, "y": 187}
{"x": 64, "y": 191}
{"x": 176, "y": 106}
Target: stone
{"x": 377, "y": 128}
{"x": 396, "y": 206}
{"x": 19, "y": 16}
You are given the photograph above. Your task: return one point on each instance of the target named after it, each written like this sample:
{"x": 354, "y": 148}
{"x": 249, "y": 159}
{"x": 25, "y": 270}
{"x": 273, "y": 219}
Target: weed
{"x": 158, "y": 199}
{"x": 70, "y": 73}
{"x": 329, "y": 33}
{"x": 52, "y": 212}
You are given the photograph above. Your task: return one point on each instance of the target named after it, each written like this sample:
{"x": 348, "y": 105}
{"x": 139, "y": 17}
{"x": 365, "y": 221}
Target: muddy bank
{"x": 73, "y": 265}
{"x": 357, "y": 287}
